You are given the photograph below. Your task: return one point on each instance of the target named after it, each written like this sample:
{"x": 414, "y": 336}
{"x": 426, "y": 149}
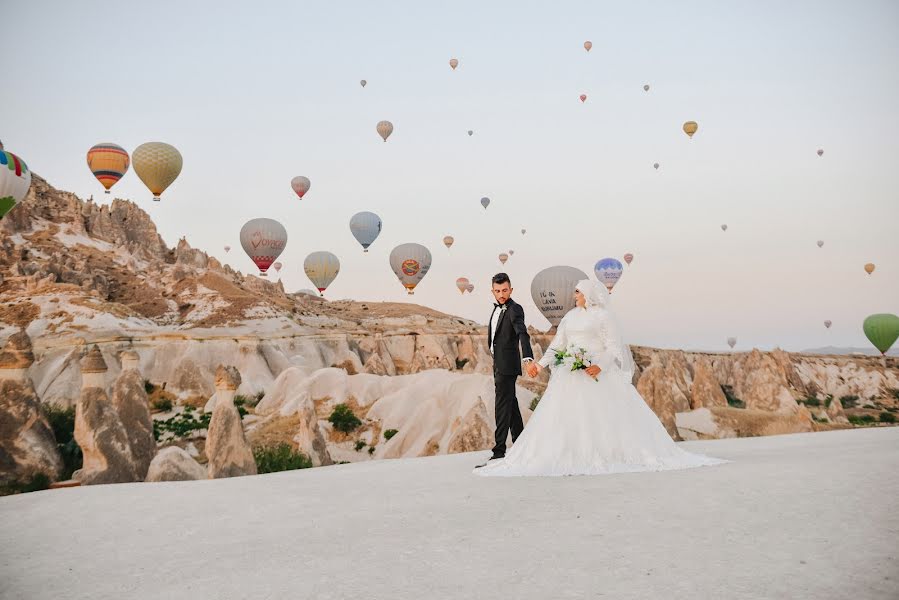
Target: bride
{"x": 591, "y": 420}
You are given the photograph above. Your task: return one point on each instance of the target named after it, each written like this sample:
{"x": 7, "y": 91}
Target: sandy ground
{"x": 794, "y": 516}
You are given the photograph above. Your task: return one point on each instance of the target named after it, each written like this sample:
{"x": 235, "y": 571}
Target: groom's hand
{"x": 533, "y": 369}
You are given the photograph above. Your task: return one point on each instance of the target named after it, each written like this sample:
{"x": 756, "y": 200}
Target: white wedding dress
{"x": 586, "y": 426}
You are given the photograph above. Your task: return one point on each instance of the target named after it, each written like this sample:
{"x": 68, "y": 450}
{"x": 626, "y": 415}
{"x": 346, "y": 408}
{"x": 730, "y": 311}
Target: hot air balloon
{"x": 485, "y": 202}
{"x": 511, "y": 252}
{"x": 583, "y": 97}
{"x": 108, "y": 163}
{"x": 646, "y": 88}
{"x": 385, "y": 128}
{"x": 655, "y": 166}
{"x": 503, "y": 257}
{"x": 881, "y": 330}
{"x": 227, "y": 248}
{"x": 277, "y": 266}
{"x": 365, "y": 227}
{"x": 470, "y": 132}
{"x": 820, "y": 152}
{"x": 448, "y": 240}
{"x": 300, "y": 185}
{"x": 524, "y": 231}
{"x": 15, "y": 179}
{"x": 158, "y": 165}
{"x": 453, "y": 63}
{"x": 470, "y": 288}
{"x": 587, "y": 45}
{"x": 321, "y": 268}
{"x": 1, "y": 144}
{"x": 552, "y": 290}
{"x": 828, "y": 323}
{"x": 724, "y": 227}
{"x": 731, "y": 341}
{"x": 608, "y": 271}
{"x": 690, "y": 128}
{"x": 820, "y": 243}
{"x": 410, "y": 263}
{"x": 462, "y": 283}
{"x": 628, "y": 258}
{"x": 263, "y": 240}
{"x": 869, "y": 268}
{"x": 363, "y": 83}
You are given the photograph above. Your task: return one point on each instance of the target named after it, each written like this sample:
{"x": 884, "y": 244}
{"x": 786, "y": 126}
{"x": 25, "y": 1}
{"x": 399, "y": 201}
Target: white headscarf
{"x": 594, "y": 293}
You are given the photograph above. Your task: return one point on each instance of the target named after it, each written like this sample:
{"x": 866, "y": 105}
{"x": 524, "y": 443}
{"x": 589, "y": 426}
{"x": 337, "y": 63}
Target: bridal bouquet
{"x": 573, "y": 357}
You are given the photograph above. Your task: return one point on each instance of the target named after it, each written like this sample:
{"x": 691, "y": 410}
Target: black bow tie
{"x": 498, "y": 305}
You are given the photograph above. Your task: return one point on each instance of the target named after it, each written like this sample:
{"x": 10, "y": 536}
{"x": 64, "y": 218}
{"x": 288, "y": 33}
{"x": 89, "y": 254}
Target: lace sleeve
{"x": 616, "y": 355}
{"x": 560, "y": 342}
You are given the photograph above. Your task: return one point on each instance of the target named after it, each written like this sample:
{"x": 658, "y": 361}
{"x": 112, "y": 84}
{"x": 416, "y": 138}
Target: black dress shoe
{"x": 488, "y": 462}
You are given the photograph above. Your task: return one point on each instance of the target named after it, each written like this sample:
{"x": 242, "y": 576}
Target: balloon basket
{"x": 156, "y": 198}
{"x": 365, "y": 250}
{"x": 106, "y": 192}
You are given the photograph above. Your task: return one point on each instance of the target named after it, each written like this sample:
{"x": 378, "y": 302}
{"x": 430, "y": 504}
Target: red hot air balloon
{"x": 583, "y": 97}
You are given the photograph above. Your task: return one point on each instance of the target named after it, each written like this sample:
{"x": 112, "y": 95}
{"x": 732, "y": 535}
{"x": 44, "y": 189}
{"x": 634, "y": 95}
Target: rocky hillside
{"x": 74, "y": 274}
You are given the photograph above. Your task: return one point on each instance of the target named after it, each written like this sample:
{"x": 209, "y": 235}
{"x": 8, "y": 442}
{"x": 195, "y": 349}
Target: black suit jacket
{"x": 511, "y": 333}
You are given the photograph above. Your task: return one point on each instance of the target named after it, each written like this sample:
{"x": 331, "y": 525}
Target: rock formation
{"x": 27, "y": 444}
{"x": 227, "y": 449}
{"x": 130, "y": 400}
{"x": 174, "y": 464}
{"x": 99, "y": 431}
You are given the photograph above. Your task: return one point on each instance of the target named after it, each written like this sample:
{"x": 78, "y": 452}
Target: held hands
{"x": 593, "y": 371}
{"x": 533, "y": 369}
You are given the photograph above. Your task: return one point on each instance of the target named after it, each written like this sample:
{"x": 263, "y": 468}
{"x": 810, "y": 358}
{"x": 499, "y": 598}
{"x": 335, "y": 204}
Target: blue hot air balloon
{"x": 608, "y": 271}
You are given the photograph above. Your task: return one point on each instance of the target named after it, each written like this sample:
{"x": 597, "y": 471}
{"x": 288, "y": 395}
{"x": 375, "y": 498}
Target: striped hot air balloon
{"x": 15, "y": 179}
{"x": 108, "y": 162}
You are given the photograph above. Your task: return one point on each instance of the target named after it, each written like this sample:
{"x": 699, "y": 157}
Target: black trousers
{"x": 508, "y": 416}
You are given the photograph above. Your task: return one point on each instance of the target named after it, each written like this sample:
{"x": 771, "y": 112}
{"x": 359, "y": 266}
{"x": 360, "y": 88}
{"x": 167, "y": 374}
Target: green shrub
{"x": 38, "y": 481}
{"x": 239, "y": 402}
{"x": 371, "y": 450}
{"x": 149, "y": 387}
{"x": 390, "y": 433}
{"x": 828, "y": 400}
{"x": 535, "y": 402}
{"x": 62, "y": 422}
{"x": 861, "y": 419}
{"x": 181, "y": 425}
{"x": 343, "y": 419}
{"x": 359, "y": 445}
{"x": 162, "y": 405}
{"x": 887, "y": 417}
{"x": 282, "y": 457}
{"x": 731, "y": 399}
{"x": 849, "y": 401}
{"x": 460, "y": 363}
{"x": 810, "y": 401}
{"x": 894, "y": 392}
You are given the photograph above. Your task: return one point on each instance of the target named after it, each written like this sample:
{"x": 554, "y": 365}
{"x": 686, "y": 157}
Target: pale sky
{"x": 253, "y": 94}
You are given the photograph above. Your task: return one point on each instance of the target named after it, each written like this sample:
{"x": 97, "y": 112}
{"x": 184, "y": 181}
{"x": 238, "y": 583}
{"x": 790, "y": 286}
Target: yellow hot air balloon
{"x": 869, "y": 268}
{"x": 108, "y": 163}
{"x": 158, "y": 165}
{"x": 690, "y": 128}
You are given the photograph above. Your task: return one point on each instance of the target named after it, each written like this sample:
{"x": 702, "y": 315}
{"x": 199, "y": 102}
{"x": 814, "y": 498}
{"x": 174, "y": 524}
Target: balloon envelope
{"x": 608, "y": 271}
{"x": 552, "y": 290}
{"x": 524, "y": 231}
{"x": 365, "y": 227}
{"x": 108, "y": 163}
{"x": 503, "y": 257}
{"x": 15, "y": 179}
{"x": 820, "y": 243}
{"x": 869, "y": 268}
{"x": 157, "y": 164}
{"x": 410, "y": 262}
{"x": 300, "y": 185}
{"x": 227, "y": 248}
{"x": 628, "y": 258}
{"x": 470, "y": 288}
{"x": 828, "y": 323}
{"x": 385, "y": 128}
{"x": 731, "y": 341}
{"x": 470, "y": 132}
{"x": 583, "y": 97}
{"x": 448, "y": 240}
{"x": 587, "y": 45}
{"x": 646, "y": 88}
{"x": 485, "y": 202}
{"x": 263, "y": 240}
{"x": 655, "y": 166}
{"x": 462, "y": 283}
{"x": 820, "y": 152}
{"x": 363, "y": 83}
{"x": 321, "y": 268}
{"x": 724, "y": 227}
{"x": 277, "y": 266}
{"x": 690, "y": 128}
{"x": 453, "y": 63}
{"x": 882, "y": 330}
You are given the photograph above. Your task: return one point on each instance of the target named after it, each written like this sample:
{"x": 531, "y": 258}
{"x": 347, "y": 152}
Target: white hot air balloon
{"x": 410, "y": 262}
{"x": 321, "y": 268}
{"x": 263, "y": 240}
{"x": 363, "y": 83}
{"x": 485, "y": 202}
{"x": 462, "y": 283}
{"x": 15, "y": 180}
{"x": 731, "y": 341}
{"x": 448, "y": 240}
{"x": 300, "y": 185}
{"x": 724, "y": 227}
{"x": 553, "y": 291}
{"x": 365, "y": 227}
{"x": 385, "y": 128}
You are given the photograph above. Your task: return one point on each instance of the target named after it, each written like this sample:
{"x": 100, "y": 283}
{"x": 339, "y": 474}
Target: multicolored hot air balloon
{"x": 583, "y": 97}
{"x": 828, "y": 323}
{"x": 724, "y": 227}
{"x": 485, "y": 202}
{"x": 410, "y": 263}
{"x": 820, "y": 152}
{"x": 820, "y": 243}
{"x": 158, "y": 165}
{"x": 385, "y": 128}
{"x": 365, "y": 227}
{"x": 628, "y": 258}
{"x": 300, "y": 185}
{"x": 108, "y": 162}
{"x": 690, "y": 127}
{"x": 646, "y": 88}
{"x": 263, "y": 240}
{"x": 321, "y": 268}
{"x": 453, "y": 63}
{"x": 731, "y": 341}
{"x": 881, "y": 330}
{"x": 608, "y": 271}
{"x": 869, "y": 268}
{"x": 552, "y": 290}
{"x": 363, "y": 83}
{"x": 448, "y": 240}
{"x": 462, "y": 283}
{"x": 587, "y": 45}
{"x": 503, "y": 257}
{"x": 15, "y": 180}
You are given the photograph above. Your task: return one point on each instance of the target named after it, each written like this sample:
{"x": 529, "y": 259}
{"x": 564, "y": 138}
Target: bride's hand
{"x": 593, "y": 371}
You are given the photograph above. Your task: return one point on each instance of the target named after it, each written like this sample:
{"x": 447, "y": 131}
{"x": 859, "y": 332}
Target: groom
{"x": 505, "y": 333}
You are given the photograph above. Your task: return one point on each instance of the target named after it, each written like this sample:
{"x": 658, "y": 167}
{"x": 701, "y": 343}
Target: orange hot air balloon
{"x": 690, "y": 128}
{"x": 869, "y": 268}
{"x": 583, "y": 97}
{"x": 454, "y": 63}
{"x": 108, "y": 163}
{"x": 587, "y": 45}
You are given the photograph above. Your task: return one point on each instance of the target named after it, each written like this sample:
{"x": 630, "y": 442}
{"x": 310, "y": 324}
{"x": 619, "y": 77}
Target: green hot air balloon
{"x": 882, "y": 330}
